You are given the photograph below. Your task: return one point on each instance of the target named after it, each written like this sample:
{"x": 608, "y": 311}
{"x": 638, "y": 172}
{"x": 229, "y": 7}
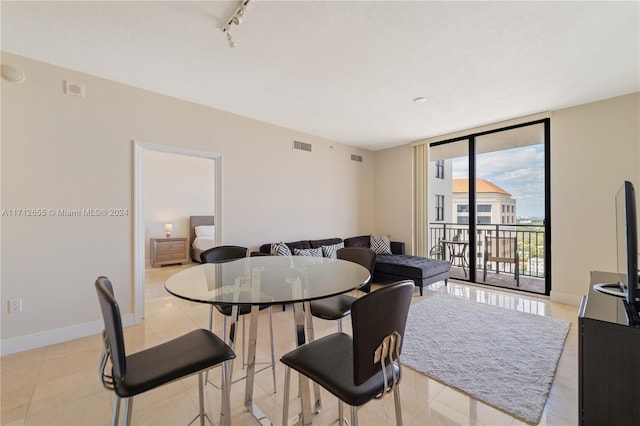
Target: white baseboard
{"x": 565, "y": 298}
{"x": 51, "y": 337}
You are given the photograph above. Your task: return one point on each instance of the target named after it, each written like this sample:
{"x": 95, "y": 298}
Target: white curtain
{"x": 420, "y": 196}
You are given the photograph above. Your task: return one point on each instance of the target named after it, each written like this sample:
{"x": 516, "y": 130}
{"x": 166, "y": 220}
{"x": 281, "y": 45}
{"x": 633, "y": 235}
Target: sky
{"x": 519, "y": 171}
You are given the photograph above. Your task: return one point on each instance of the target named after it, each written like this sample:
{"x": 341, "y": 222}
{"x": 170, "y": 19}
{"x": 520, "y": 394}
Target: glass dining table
{"x": 269, "y": 280}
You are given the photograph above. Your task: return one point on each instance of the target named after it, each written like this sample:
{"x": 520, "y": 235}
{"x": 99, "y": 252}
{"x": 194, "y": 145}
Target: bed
{"x": 202, "y": 235}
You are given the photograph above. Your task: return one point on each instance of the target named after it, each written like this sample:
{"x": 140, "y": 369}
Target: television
{"x": 627, "y": 241}
{"x": 627, "y": 253}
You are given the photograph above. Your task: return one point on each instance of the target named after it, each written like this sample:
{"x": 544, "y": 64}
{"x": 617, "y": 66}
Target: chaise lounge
{"x": 392, "y": 265}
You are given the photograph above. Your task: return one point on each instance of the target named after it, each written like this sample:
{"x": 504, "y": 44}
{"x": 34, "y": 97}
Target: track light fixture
{"x": 236, "y": 18}
{"x": 230, "y": 41}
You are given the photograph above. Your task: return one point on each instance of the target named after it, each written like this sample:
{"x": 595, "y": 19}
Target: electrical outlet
{"x": 15, "y": 306}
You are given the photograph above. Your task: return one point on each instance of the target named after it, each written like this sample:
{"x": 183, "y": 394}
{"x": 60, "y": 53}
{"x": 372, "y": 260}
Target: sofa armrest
{"x": 397, "y": 247}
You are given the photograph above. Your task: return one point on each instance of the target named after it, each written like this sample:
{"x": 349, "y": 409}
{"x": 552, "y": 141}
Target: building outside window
{"x": 439, "y": 207}
{"x": 492, "y": 202}
{"x": 440, "y": 169}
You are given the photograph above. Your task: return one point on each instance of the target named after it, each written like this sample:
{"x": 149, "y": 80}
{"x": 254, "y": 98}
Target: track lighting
{"x": 236, "y": 18}
{"x": 230, "y": 41}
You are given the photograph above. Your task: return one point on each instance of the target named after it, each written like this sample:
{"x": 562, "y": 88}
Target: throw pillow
{"x": 207, "y": 231}
{"x": 313, "y": 252}
{"x": 381, "y": 244}
{"x": 332, "y": 250}
{"x": 280, "y": 249}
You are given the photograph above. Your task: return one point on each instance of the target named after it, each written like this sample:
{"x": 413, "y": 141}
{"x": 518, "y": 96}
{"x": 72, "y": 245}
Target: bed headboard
{"x": 197, "y": 221}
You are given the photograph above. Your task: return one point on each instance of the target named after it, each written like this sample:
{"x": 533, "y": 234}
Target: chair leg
{"x": 340, "y": 325}
{"x": 244, "y": 341}
{"x": 211, "y": 319}
{"x": 354, "y": 415}
{"x": 128, "y": 407}
{"x": 273, "y": 356}
{"x": 201, "y": 414}
{"x": 285, "y": 401}
{"x": 341, "y": 418}
{"x": 396, "y": 399}
{"x": 317, "y": 405}
{"x": 115, "y": 415}
{"x": 225, "y": 412}
{"x": 201, "y": 398}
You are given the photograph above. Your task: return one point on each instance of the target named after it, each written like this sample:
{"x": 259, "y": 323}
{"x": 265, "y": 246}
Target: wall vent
{"x": 73, "y": 89}
{"x": 357, "y": 158}
{"x": 302, "y": 146}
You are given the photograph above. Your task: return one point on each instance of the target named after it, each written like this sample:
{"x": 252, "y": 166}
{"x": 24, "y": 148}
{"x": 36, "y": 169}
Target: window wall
{"x": 487, "y": 186}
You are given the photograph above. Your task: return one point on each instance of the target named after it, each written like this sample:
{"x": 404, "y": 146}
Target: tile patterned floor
{"x": 38, "y": 390}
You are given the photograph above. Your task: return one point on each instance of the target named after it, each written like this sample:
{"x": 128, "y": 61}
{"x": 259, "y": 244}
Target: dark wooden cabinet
{"x": 608, "y": 360}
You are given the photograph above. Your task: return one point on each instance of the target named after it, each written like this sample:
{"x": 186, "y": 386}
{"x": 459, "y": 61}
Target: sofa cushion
{"x": 362, "y": 241}
{"x": 410, "y": 266}
{"x": 302, "y": 244}
{"x": 314, "y": 252}
{"x": 327, "y": 242}
{"x": 381, "y": 244}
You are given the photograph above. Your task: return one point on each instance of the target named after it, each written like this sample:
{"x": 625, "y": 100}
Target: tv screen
{"x": 627, "y": 242}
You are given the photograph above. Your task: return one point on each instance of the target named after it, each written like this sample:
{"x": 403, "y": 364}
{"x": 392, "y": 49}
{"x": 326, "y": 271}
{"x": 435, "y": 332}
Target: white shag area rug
{"x": 500, "y": 356}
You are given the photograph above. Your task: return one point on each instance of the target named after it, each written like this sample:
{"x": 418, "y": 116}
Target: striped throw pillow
{"x": 332, "y": 250}
{"x": 381, "y": 244}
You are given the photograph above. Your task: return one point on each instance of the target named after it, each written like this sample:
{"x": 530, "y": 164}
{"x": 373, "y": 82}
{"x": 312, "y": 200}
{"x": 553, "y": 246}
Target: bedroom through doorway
{"x": 171, "y": 185}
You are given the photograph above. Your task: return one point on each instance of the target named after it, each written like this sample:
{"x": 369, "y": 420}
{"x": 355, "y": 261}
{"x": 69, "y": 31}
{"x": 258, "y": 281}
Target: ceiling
{"x": 347, "y": 70}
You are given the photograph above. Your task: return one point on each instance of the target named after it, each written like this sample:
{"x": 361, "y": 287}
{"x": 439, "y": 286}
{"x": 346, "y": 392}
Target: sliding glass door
{"x": 448, "y": 220}
{"x": 490, "y": 198}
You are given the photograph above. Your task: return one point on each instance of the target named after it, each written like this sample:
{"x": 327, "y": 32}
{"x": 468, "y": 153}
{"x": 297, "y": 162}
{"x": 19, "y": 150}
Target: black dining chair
{"x": 228, "y": 253}
{"x": 338, "y": 307}
{"x": 363, "y": 367}
{"x": 150, "y": 368}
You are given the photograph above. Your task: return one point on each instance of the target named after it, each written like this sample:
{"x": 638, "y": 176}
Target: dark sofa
{"x": 389, "y": 267}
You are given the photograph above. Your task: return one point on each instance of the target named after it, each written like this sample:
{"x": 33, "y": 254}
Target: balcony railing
{"x": 530, "y": 243}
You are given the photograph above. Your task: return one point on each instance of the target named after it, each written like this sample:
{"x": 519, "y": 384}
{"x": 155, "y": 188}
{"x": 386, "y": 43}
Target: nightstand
{"x": 166, "y": 251}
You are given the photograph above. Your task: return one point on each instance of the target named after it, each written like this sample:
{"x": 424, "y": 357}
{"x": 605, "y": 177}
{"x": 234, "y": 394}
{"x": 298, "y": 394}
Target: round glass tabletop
{"x": 267, "y": 280}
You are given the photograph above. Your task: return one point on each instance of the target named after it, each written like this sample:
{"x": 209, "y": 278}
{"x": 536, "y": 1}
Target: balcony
{"x": 530, "y": 248}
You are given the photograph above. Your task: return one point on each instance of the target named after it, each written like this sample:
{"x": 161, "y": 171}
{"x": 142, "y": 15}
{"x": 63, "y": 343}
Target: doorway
{"x": 139, "y": 210}
{"x": 491, "y": 196}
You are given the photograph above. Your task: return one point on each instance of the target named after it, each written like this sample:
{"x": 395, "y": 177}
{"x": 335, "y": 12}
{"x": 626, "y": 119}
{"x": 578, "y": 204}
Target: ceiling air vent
{"x": 302, "y": 146}
{"x": 357, "y": 158}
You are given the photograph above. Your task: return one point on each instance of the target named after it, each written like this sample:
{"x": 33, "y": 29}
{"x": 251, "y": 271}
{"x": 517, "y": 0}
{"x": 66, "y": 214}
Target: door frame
{"x": 471, "y": 138}
{"x": 139, "y": 149}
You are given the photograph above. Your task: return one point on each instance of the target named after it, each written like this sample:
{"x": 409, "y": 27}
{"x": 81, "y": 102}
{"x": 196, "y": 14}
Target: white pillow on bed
{"x": 204, "y": 243}
{"x": 206, "y": 231}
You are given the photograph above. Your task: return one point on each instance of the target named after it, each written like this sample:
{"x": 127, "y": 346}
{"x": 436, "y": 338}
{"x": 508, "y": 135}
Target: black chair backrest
{"x": 112, "y": 326}
{"x": 374, "y": 317}
{"x": 223, "y": 254}
{"x": 361, "y": 255}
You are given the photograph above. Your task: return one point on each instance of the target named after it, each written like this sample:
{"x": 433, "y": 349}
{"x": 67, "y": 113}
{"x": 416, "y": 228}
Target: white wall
{"x": 60, "y": 151}
{"x": 175, "y": 187}
{"x": 594, "y": 147}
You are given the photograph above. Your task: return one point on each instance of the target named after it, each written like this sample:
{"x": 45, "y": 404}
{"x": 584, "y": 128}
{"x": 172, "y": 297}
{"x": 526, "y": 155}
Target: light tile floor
{"x": 59, "y": 385}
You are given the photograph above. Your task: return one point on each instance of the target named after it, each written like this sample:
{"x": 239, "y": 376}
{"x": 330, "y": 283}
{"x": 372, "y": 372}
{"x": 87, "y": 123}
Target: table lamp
{"x": 167, "y": 228}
